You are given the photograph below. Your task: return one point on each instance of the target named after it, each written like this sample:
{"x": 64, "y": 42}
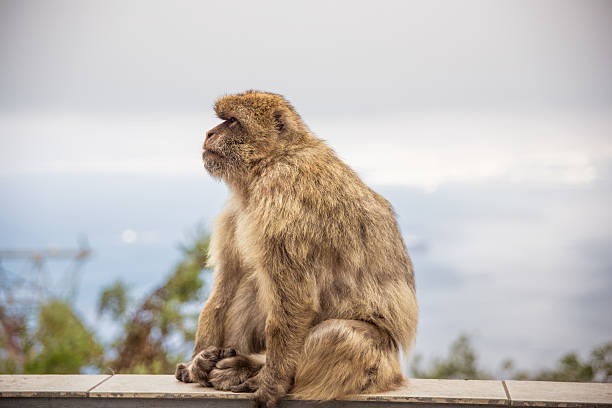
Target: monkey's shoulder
{"x": 313, "y": 174}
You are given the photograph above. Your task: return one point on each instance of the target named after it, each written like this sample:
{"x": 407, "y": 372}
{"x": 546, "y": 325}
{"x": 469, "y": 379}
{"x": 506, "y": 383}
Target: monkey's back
{"x": 342, "y": 234}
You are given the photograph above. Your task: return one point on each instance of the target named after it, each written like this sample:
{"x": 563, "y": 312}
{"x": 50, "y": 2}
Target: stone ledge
{"x": 165, "y": 391}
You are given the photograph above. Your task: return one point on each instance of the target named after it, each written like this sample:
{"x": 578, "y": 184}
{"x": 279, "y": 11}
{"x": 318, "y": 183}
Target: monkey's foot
{"x": 234, "y": 371}
{"x": 198, "y": 369}
{"x": 182, "y": 372}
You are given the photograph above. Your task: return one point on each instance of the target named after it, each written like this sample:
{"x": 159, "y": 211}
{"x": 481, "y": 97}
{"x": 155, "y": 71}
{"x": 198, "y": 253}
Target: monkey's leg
{"x": 243, "y": 331}
{"x": 233, "y": 371}
{"x": 343, "y": 357}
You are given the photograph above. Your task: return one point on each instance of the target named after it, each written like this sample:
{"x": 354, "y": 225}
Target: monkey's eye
{"x": 231, "y": 120}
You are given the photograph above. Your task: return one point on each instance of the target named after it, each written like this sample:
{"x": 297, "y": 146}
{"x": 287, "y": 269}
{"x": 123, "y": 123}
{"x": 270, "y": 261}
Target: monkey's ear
{"x": 279, "y": 121}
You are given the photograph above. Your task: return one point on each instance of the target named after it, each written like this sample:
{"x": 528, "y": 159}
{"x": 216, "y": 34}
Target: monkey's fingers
{"x": 227, "y": 353}
{"x": 263, "y": 401}
{"x": 255, "y": 403}
{"x": 234, "y": 362}
{"x": 258, "y": 404}
{"x": 244, "y": 387}
{"x": 250, "y": 385}
{"x": 215, "y": 354}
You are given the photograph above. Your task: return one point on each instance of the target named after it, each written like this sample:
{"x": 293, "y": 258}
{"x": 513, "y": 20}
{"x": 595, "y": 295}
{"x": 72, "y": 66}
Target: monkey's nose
{"x": 206, "y": 139}
{"x": 209, "y": 136}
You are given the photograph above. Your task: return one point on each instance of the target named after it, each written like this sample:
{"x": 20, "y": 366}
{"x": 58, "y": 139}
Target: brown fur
{"x": 310, "y": 266}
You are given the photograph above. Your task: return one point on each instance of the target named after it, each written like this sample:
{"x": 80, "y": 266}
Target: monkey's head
{"x": 257, "y": 127}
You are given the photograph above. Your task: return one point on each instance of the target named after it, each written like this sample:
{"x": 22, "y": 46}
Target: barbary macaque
{"x": 313, "y": 289}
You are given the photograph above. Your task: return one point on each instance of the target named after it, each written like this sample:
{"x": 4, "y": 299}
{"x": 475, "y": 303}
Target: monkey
{"x": 313, "y": 291}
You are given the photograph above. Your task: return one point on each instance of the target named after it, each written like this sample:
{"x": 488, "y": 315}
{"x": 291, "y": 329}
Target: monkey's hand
{"x": 198, "y": 369}
{"x": 268, "y": 390}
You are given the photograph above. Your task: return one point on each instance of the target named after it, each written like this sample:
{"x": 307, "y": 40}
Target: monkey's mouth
{"x": 211, "y": 154}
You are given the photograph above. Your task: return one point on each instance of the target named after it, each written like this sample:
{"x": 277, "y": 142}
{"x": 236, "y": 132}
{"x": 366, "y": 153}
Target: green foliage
{"x": 461, "y": 363}
{"x": 15, "y": 341}
{"x": 598, "y": 367}
{"x": 161, "y": 316}
{"x": 114, "y": 300}
{"x": 61, "y": 344}
{"x": 569, "y": 368}
{"x": 601, "y": 362}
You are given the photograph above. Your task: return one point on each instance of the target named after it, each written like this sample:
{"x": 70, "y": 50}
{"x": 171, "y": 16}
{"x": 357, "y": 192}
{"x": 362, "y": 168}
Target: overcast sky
{"x": 328, "y": 57}
{"x": 488, "y": 125}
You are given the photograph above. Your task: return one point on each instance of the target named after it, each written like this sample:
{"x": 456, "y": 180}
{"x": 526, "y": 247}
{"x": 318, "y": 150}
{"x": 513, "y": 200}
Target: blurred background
{"x": 487, "y": 125}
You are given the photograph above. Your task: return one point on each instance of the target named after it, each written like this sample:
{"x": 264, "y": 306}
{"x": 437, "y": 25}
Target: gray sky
{"x": 488, "y": 125}
{"x": 328, "y": 57}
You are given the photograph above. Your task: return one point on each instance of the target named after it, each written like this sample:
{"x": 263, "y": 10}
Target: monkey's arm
{"x": 228, "y": 272}
{"x": 211, "y": 323}
{"x": 287, "y": 246}
{"x": 209, "y": 341}
{"x": 289, "y": 320}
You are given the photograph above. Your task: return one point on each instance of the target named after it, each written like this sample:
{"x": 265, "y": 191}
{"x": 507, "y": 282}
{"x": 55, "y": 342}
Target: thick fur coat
{"x": 314, "y": 290}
